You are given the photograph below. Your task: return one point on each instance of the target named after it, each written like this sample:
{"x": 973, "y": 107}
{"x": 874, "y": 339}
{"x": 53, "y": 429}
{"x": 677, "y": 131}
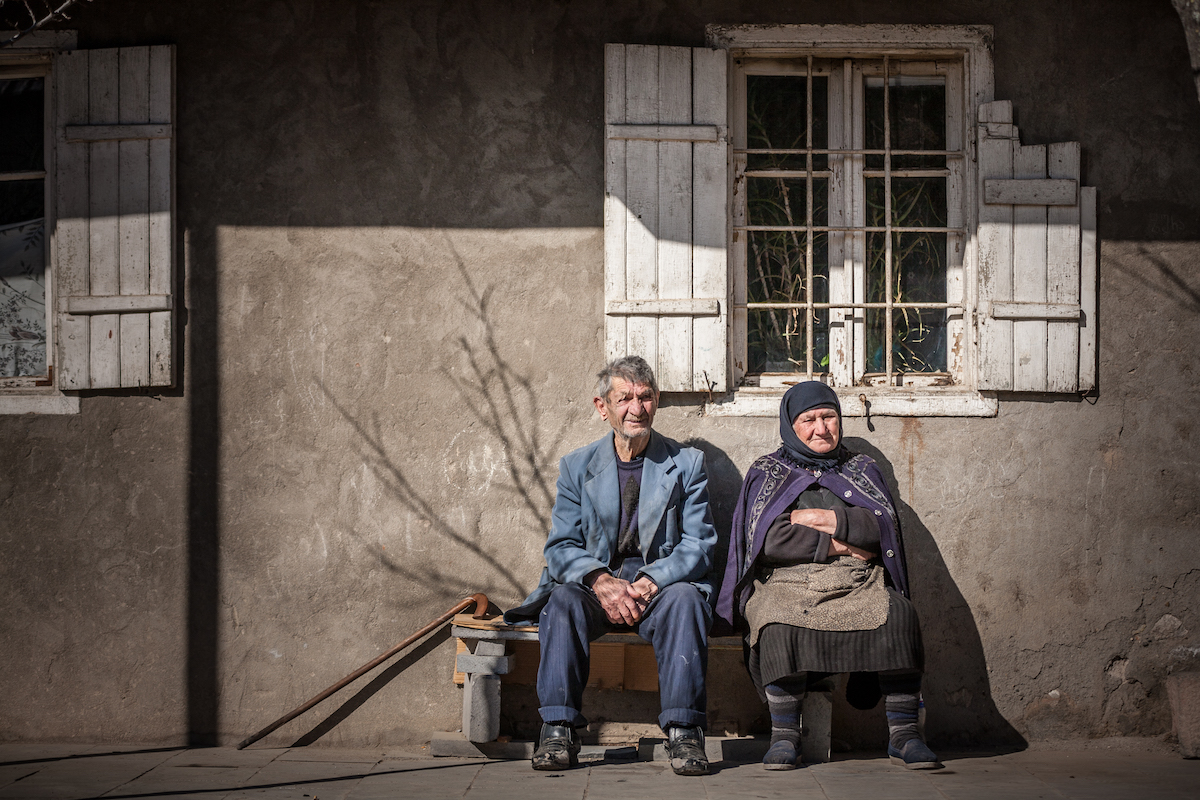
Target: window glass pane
{"x": 777, "y": 270}
{"x": 21, "y": 201}
{"x": 916, "y": 202}
{"x": 776, "y": 119}
{"x": 21, "y": 142}
{"x": 918, "y": 276}
{"x": 22, "y": 299}
{"x": 782, "y": 201}
{"x": 917, "y": 116}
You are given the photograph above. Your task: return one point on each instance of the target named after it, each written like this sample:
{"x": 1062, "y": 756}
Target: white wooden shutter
{"x": 114, "y": 236}
{"x": 666, "y": 161}
{"x": 1037, "y": 262}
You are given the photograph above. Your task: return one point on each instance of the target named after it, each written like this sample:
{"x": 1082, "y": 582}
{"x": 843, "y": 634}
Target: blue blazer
{"x": 675, "y": 524}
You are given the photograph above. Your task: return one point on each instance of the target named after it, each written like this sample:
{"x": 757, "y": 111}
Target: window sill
{"x": 45, "y": 403}
{"x": 764, "y": 402}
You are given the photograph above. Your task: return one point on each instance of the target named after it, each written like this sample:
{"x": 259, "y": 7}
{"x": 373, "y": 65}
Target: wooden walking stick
{"x": 480, "y": 602}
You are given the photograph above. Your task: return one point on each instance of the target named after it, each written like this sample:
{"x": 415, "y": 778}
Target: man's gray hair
{"x": 631, "y": 368}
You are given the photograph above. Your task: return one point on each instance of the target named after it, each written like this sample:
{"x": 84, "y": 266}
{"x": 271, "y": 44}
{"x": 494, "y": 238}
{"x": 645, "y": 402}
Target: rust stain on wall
{"x": 912, "y": 440}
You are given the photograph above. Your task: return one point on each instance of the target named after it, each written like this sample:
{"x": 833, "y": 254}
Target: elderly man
{"x": 630, "y": 548}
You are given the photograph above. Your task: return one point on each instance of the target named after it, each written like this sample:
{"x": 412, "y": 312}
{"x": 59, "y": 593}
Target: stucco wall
{"x": 390, "y": 225}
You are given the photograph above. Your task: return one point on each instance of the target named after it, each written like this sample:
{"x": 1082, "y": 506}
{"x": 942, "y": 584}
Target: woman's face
{"x": 818, "y": 429}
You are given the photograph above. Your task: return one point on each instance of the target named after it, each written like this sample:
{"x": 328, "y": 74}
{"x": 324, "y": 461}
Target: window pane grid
{"x": 773, "y": 179}
{"x": 846, "y": 229}
{"x": 850, "y": 305}
{"x": 847, "y": 152}
{"x": 895, "y": 122}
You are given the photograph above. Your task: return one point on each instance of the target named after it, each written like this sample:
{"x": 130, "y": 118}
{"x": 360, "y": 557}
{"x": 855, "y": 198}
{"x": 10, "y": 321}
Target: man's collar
{"x": 655, "y": 451}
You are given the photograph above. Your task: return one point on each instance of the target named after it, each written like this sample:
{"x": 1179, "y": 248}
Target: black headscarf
{"x": 797, "y": 400}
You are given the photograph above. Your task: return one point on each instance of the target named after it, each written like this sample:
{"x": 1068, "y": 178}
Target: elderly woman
{"x": 816, "y": 580}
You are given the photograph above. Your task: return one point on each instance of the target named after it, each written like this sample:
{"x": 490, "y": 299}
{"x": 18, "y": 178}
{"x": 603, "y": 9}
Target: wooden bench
{"x": 491, "y": 653}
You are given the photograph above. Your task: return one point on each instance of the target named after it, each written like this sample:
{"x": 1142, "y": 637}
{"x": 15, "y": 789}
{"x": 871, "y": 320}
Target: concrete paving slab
{"x": 754, "y": 781}
{"x": 515, "y": 780}
{"x": 223, "y": 757}
{"x": 213, "y": 781}
{"x": 84, "y": 777}
{"x": 962, "y": 778}
{"x": 436, "y": 779}
{"x": 21, "y": 761}
{"x": 327, "y": 780}
{"x": 12, "y": 774}
{"x": 15, "y": 752}
{"x": 329, "y": 754}
{"x": 859, "y": 785}
{"x": 331, "y": 774}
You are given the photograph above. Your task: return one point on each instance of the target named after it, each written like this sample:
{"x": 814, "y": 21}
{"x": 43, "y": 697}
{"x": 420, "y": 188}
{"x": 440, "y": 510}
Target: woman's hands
{"x": 840, "y": 548}
{"x": 825, "y": 520}
{"x": 822, "y": 519}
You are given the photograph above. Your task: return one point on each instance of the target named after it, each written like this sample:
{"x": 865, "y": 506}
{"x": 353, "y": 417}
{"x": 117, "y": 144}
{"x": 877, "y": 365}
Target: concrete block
{"x": 481, "y": 707}
{"x": 817, "y": 734}
{"x": 489, "y": 665}
{"x": 1183, "y": 690}
{"x": 486, "y": 648}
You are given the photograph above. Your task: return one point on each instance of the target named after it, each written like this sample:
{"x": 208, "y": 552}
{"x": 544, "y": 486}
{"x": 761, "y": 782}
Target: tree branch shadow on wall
{"x": 957, "y": 689}
{"x": 1169, "y": 283}
{"x": 444, "y": 582}
{"x": 504, "y": 404}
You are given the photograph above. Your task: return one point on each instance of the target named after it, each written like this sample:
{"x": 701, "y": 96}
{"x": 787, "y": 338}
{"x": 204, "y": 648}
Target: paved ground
{"x": 1119, "y": 770}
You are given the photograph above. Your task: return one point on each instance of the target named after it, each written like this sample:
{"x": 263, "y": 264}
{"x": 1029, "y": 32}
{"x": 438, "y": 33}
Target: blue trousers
{"x": 675, "y": 623}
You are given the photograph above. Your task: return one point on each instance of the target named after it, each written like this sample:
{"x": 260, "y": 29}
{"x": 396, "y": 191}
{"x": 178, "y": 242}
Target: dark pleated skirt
{"x": 784, "y": 650}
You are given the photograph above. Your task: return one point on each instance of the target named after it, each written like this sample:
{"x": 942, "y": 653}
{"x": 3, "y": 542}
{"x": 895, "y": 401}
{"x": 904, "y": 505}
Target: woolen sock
{"x": 902, "y": 708}
{"x": 784, "y": 699}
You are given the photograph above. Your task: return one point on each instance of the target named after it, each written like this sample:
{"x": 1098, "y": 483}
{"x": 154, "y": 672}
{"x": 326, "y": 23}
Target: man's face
{"x": 629, "y": 408}
{"x": 818, "y": 429}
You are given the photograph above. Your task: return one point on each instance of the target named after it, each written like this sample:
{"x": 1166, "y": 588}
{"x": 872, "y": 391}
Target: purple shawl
{"x": 772, "y": 484}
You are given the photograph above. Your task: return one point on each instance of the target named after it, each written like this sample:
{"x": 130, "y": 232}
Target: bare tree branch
{"x": 51, "y": 14}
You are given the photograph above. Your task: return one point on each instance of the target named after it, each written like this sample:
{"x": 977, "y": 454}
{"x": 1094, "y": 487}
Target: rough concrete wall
{"x": 92, "y": 557}
{"x": 391, "y": 223}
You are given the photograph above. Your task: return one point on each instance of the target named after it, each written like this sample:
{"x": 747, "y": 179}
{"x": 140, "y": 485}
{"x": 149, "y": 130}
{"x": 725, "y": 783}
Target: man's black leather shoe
{"x": 557, "y": 748}
{"x": 685, "y": 746}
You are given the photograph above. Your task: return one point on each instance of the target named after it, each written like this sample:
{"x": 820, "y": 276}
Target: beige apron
{"x": 847, "y": 594}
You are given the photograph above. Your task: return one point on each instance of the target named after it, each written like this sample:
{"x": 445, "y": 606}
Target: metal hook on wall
{"x": 867, "y": 411}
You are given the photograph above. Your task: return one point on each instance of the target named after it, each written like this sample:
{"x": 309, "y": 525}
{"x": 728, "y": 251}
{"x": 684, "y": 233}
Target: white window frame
{"x": 969, "y": 84}
{"x": 846, "y": 177}
{"x": 32, "y": 56}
